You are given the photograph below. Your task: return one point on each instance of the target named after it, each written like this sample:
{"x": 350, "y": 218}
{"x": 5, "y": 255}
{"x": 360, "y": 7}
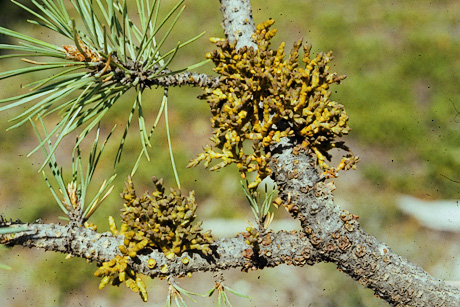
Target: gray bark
{"x": 338, "y": 237}
{"x": 273, "y": 249}
{"x": 237, "y": 22}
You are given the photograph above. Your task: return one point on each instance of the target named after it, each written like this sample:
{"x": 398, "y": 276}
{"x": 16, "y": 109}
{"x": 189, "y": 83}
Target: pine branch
{"x": 238, "y": 22}
{"x": 338, "y": 237}
{"x": 275, "y": 249}
{"x": 186, "y": 78}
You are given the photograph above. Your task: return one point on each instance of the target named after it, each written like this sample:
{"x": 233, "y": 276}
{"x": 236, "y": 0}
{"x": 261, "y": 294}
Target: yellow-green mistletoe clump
{"x": 117, "y": 271}
{"x": 162, "y": 221}
{"x": 156, "y": 221}
{"x": 263, "y": 97}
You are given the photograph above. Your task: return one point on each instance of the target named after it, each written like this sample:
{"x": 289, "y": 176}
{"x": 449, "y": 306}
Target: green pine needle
{"x": 97, "y": 65}
{"x": 81, "y": 180}
{"x": 12, "y": 229}
{"x": 260, "y": 210}
{"x": 173, "y": 163}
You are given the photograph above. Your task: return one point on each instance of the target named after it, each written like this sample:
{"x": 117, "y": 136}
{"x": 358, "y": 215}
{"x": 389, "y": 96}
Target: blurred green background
{"x": 402, "y": 94}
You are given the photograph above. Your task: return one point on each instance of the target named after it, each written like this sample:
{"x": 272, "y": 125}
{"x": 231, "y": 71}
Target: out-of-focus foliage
{"x": 403, "y": 68}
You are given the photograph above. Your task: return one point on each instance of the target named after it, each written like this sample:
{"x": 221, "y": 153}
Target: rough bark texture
{"x": 237, "y": 22}
{"x": 186, "y": 78}
{"x": 338, "y": 237}
{"x": 271, "y": 250}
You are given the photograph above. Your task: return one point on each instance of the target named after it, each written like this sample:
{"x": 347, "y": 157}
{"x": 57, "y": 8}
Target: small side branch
{"x": 135, "y": 73}
{"x": 187, "y": 78}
